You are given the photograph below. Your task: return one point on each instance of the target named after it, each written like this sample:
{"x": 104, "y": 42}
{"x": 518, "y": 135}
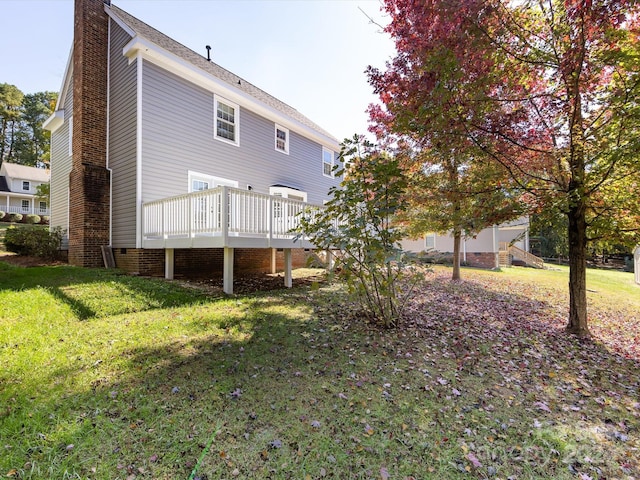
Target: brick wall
{"x": 138, "y": 261}
{"x": 198, "y": 262}
{"x": 203, "y": 262}
{"x": 481, "y": 259}
{"x": 89, "y": 180}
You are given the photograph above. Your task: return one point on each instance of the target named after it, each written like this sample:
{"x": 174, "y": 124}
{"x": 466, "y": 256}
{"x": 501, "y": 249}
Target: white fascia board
{"x": 66, "y": 81}
{"x": 55, "y": 121}
{"x": 116, "y": 19}
{"x": 178, "y": 66}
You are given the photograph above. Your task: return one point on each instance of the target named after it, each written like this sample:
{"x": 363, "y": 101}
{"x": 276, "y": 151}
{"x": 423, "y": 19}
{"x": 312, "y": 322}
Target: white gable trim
{"x": 120, "y": 23}
{"x": 141, "y": 47}
{"x": 55, "y": 121}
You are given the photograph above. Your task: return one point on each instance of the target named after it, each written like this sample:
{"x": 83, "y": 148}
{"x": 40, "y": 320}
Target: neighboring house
{"x": 173, "y": 162}
{"x": 500, "y": 245}
{"x": 18, "y": 188}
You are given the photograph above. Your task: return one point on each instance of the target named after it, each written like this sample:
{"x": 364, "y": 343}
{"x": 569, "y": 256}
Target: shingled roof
{"x": 149, "y": 33}
{"x": 14, "y": 170}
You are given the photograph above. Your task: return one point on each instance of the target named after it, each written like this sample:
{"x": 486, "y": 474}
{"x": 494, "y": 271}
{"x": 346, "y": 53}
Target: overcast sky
{"x": 311, "y": 54}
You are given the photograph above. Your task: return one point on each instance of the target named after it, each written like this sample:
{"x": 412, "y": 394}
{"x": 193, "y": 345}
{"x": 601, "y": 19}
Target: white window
{"x": 282, "y": 139}
{"x": 25, "y": 205}
{"x": 430, "y": 241}
{"x": 226, "y": 126}
{"x": 199, "y": 185}
{"x": 70, "y": 135}
{"x": 43, "y": 206}
{"x": 201, "y": 181}
{"x": 26, "y": 186}
{"x": 327, "y": 162}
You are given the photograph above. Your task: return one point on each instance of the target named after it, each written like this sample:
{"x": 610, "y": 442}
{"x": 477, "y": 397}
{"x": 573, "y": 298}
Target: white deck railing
{"x": 25, "y": 211}
{"x": 222, "y": 216}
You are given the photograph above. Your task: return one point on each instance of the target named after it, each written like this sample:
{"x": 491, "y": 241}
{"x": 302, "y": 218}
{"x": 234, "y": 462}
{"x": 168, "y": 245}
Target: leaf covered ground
{"x": 164, "y": 382}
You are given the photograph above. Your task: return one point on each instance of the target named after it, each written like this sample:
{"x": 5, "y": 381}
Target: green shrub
{"x": 45, "y": 219}
{"x": 15, "y": 217}
{"x": 358, "y": 221}
{"x": 2, "y": 214}
{"x": 35, "y": 241}
{"x": 32, "y": 219}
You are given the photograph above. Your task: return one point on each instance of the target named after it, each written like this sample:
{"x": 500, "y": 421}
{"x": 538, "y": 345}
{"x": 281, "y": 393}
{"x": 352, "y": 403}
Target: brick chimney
{"x": 89, "y": 179}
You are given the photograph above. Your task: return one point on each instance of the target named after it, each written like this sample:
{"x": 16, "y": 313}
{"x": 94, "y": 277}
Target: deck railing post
{"x": 224, "y": 214}
{"x": 270, "y": 221}
{"x": 163, "y": 221}
{"x": 190, "y": 217}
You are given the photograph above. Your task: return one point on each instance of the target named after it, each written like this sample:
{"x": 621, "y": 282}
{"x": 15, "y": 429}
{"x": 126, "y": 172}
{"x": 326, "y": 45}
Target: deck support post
{"x": 168, "y": 263}
{"x": 288, "y": 278}
{"x": 274, "y": 253}
{"x": 227, "y": 274}
{"x": 330, "y": 260}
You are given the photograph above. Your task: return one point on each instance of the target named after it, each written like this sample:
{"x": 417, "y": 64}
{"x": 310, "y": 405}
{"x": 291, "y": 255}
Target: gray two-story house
{"x": 172, "y": 163}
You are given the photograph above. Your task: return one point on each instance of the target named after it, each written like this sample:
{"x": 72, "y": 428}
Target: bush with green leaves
{"x": 14, "y": 217}
{"x": 359, "y": 222}
{"x": 2, "y": 214}
{"x": 45, "y": 219}
{"x": 31, "y": 219}
{"x": 34, "y": 240}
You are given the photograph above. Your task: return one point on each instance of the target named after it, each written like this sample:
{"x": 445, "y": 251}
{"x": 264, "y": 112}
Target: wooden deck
{"x": 223, "y": 217}
{"x": 228, "y": 218}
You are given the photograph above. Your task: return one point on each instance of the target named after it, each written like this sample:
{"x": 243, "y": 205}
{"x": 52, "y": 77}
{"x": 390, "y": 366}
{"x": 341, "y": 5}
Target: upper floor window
{"x": 226, "y": 120}
{"x": 282, "y": 139}
{"x": 26, "y": 186}
{"x": 327, "y": 162}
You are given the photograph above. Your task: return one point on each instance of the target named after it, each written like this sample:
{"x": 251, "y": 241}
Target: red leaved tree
{"x": 547, "y": 89}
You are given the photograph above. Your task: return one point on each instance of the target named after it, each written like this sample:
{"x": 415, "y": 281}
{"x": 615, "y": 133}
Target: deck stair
{"x": 509, "y": 253}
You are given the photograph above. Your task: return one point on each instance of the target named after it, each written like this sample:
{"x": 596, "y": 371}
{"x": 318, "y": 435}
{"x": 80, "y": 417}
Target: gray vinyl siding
{"x": 122, "y": 141}
{"x": 178, "y": 136}
{"x": 60, "y": 169}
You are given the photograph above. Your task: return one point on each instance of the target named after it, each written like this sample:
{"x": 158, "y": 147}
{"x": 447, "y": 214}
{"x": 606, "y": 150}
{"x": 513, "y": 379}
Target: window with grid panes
{"x": 226, "y": 121}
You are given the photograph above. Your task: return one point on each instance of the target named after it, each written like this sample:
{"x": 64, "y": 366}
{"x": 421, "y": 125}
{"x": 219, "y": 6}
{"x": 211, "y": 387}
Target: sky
{"x": 310, "y": 54}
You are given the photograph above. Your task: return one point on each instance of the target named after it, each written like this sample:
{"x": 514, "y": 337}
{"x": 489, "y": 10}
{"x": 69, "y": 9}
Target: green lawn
{"x": 106, "y": 376}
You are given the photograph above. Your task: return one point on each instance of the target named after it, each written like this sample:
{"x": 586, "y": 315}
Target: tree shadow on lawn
{"x": 278, "y": 394}
{"x": 98, "y": 292}
{"x": 165, "y": 402}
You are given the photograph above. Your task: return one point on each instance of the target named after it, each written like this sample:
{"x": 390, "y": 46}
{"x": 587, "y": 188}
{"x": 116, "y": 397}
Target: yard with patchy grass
{"x": 106, "y": 376}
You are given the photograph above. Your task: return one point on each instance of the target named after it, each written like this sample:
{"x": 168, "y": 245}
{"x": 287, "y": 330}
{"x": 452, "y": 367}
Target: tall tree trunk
{"x": 578, "y": 270}
{"x": 457, "y": 235}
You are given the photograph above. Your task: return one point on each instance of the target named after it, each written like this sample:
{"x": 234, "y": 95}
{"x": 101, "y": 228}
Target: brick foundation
{"x": 481, "y": 259}
{"x": 203, "y": 262}
{"x": 137, "y": 261}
